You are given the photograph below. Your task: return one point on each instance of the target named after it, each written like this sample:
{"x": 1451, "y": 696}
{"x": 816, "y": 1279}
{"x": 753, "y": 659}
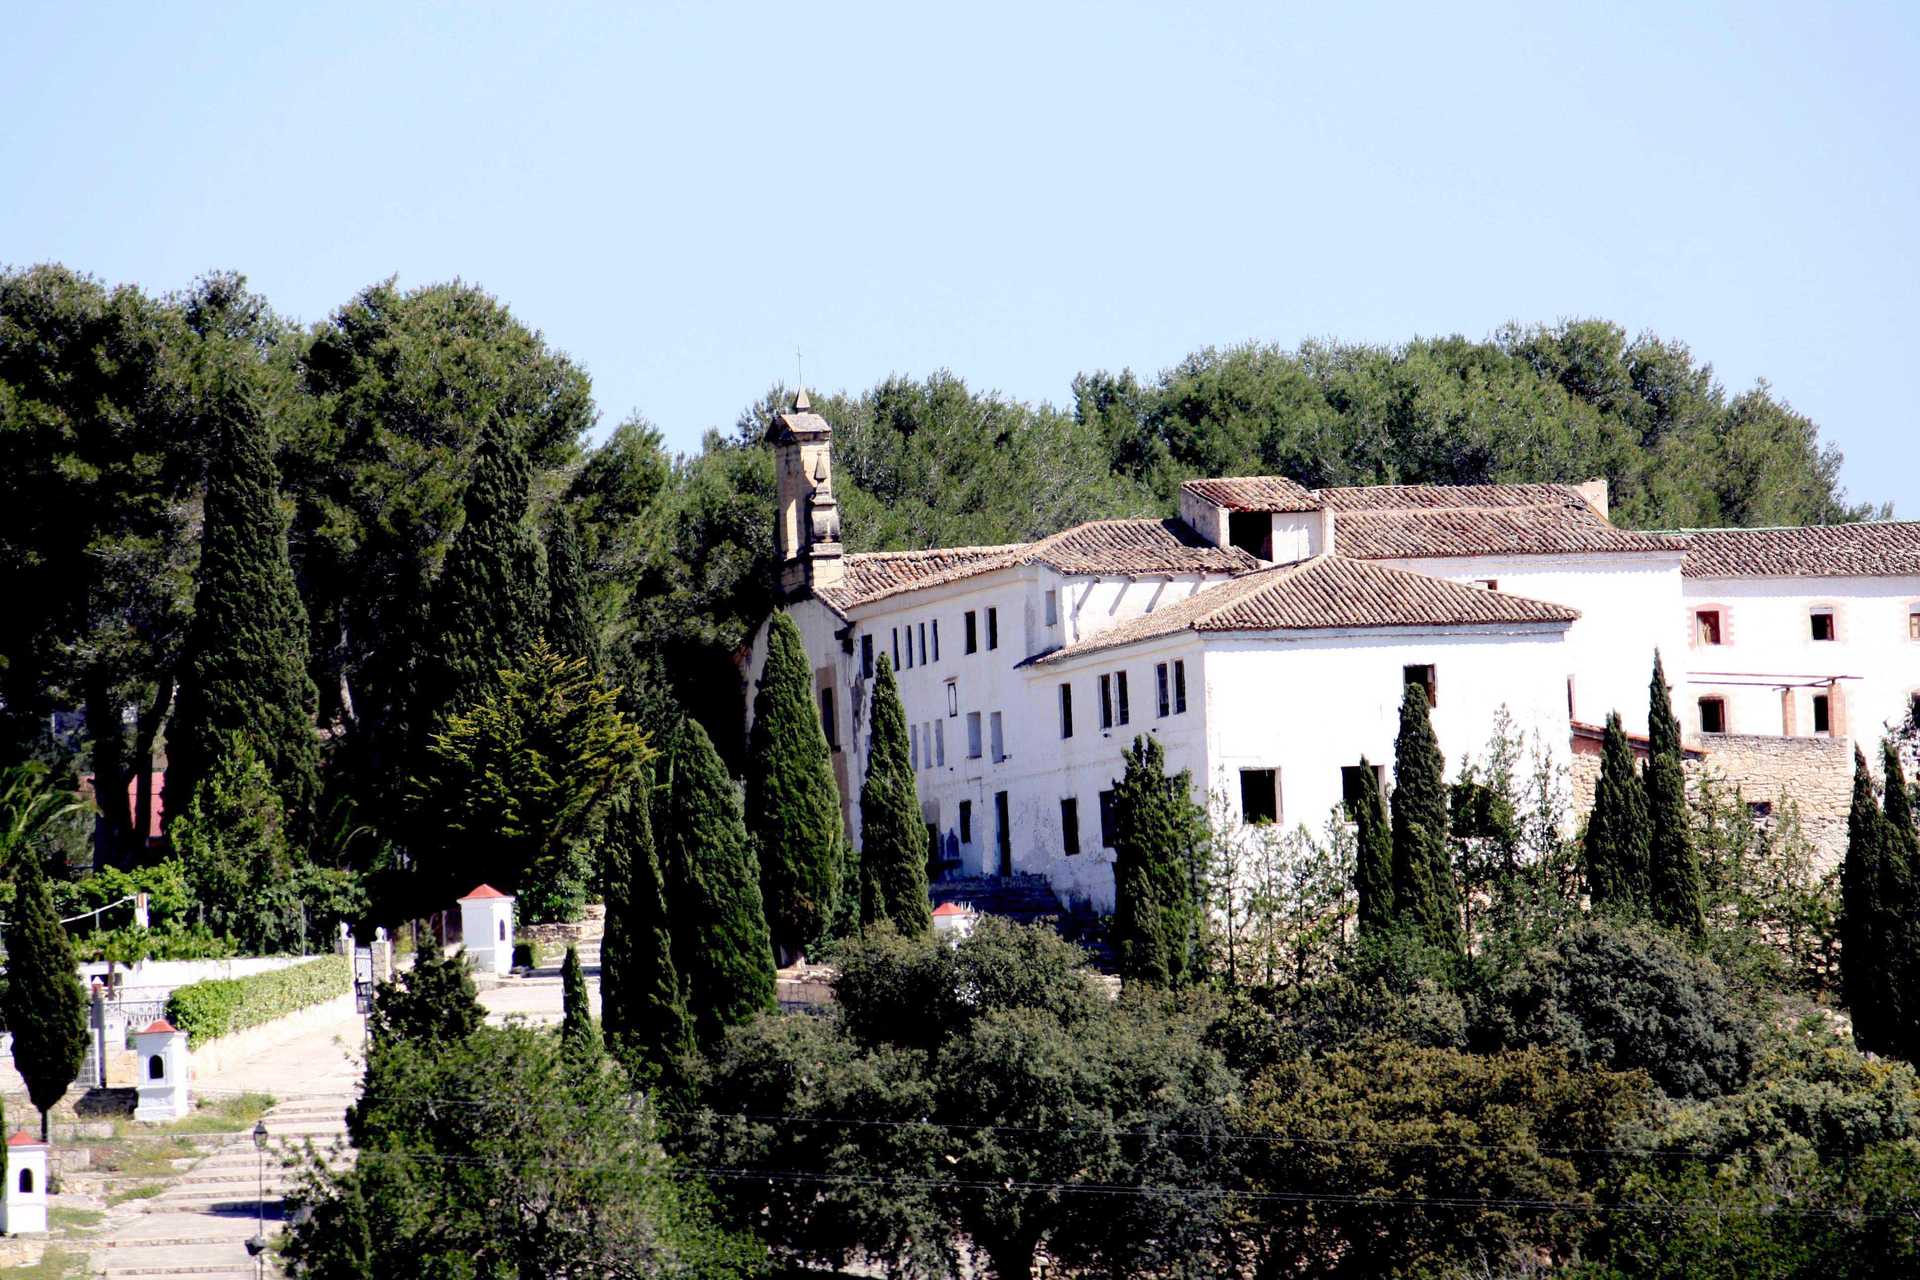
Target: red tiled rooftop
{"x": 159, "y": 1025}
{"x": 1254, "y": 493}
{"x": 1880, "y": 549}
{"x": 484, "y": 891}
{"x": 952, "y": 909}
{"x": 21, "y": 1138}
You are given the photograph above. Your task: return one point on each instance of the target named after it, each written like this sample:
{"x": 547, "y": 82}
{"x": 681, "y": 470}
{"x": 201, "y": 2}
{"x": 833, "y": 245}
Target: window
{"x": 1259, "y": 796}
{"x": 866, "y": 657}
{"x": 971, "y": 625}
{"x": 1351, "y": 779}
{"x": 1821, "y": 621}
{"x": 1120, "y": 687}
{"x": 966, "y": 822}
{"x": 953, "y": 698}
{"x": 1760, "y": 810}
{"x": 1822, "y": 714}
{"x": 940, "y": 743}
{"x": 828, "y": 720}
{"x": 999, "y": 742}
{"x": 1164, "y": 688}
{"x": 936, "y": 639}
{"x": 503, "y": 931}
{"x": 1106, "y": 702}
{"x": 993, "y": 628}
{"x": 1066, "y": 711}
{"x": 1913, "y": 710}
{"x": 1252, "y": 532}
{"x": 1070, "y": 825}
{"x": 1487, "y": 584}
{"x": 1422, "y": 674}
{"x": 1106, "y": 819}
{"x": 913, "y": 732}
{"x": 1713, "y": 715}
{"x": 923, "y": 644}
{"x": 1179, "y": 686}
{"x": 1004, "y": 834}
{"x": 909, "y": 644}
{"x": 26, "y": 1182}
{"x": 1053, "y": 608}
{"x": 1569, "y": 697}
{"x": 896, "y": 648}
{"x": 1706, "y": 627}
{"x": 156, "y": 1068}
{"x": 1913, "y": 624}
{"x": 973, "y": 735}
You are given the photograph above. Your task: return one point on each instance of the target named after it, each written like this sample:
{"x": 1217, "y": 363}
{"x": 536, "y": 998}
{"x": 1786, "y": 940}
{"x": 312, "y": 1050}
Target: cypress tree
{"x": 1155, "y": 825}
{"x": 1373, "y": 854}
{"x": 579, "y": 1038}
{"x": 434, "y": 1002}
{"x": 46, "y": 1008}
{"x": 1676, "y": 892}
{"x": 243, "y": 668}
{"x": 1899, "y": 803}
{"x": 1899, "y": 923}
{"x": 1425, "y": 896}
{"x": 1618, "y": 835}
{"x": 570, "y": 626}
{"x": 642, "y": 1008}
{"x": 488, "y": 603}
{"x": 893, "y": 836}
{"x": 721, "y": 947}
{"x": 793, "y": 806}
{"x": 1866, "y": 886}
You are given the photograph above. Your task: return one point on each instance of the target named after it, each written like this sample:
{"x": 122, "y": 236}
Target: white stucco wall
{"x": 1629, "y": 603}
{"x": 1766, "y": 632}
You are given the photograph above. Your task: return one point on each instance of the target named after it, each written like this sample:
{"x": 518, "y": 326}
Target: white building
{"x": 1266, "y": 635}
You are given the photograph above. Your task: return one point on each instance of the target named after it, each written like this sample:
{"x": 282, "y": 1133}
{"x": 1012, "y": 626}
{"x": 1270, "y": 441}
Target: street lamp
{"x": 257, "y": 1247}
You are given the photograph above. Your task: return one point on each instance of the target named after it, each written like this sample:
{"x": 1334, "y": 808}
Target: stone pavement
{"x": 199, "y": 1224}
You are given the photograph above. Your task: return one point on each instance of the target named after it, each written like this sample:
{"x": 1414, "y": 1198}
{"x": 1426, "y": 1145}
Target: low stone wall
{"x": 218, "y": 1055}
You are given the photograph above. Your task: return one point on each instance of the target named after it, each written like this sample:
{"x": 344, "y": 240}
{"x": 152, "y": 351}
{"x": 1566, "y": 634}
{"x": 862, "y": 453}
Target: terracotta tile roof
{"x": 1139, "y": 547}
{"x": 484, "y": 891}
{"x": 1413, "y": 497}
{"x": 159, "y": 1026}
{"x": 1886, "y": 549}
{"x": 21, "y": 1138}
{"x": 1548, "y": 528}
{"x": 1322, "y": 593}
{"x": 1254, "y": 493}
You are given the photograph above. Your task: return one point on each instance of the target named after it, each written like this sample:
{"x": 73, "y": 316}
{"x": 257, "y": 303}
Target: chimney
{"x": 1595, "y": 494}
{"x": 806, "y": 530}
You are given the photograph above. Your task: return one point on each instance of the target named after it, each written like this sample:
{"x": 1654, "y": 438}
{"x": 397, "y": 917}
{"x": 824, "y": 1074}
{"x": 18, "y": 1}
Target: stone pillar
{"x": 486, "y": 923}
{"x": 140, "y": 910}
{"x": 97, "y": 1025}
{"x": 382, "y": 956}
{"x": 1789, "y": 715}
{"x": 1837, "y": 709}
{"x": 343, "y": 945}
{"x": 160, "y": 1073}
{"x": 23, "y": 1210}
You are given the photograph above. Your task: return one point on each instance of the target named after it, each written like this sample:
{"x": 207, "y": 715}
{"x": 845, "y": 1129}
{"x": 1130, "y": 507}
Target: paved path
{"x": 198, "y": 1226}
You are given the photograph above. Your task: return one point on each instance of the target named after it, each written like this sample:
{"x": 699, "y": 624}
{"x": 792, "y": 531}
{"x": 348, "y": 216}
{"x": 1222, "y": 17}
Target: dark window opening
{"x": 829, "y": 721}
{"x": 1822, "y": 623}
{"x": 1350, "y": 782}
{"x": 1760, "y": 810}
{"x": 1066, "y": 711}
{"x": 1423, "y": 675}
{"x": 26, "y": 1181}
{"x": 966, "y": 822}
{"x": 156, "y": 1068}
{"x": 1259, "y": 796}
{"x": 1005, "y": 834}
{"x": 1106, "y": 702}
{"x": 1706, "y": 626}
{"x": 1070, "y": 826}
{"x": 1713, "y": 715}
{"x": 923, "y": 644}
{"x": 866, "y": 657}
{"x": 1106, "y": 819}
{"x": 993, "y": 628}
{"x": 896, "y": 648}
{"x": 972, "y": 628}
{"x": 1162, "y": 689}
{"x": 1120, "y": 685}
{"x": 1179, "y": 686}
{"x": 1252, "y": 532}
{"x": 1913, "y": 710}
{"x": 936, "y": 639}
{"x": 1822, "y": 717}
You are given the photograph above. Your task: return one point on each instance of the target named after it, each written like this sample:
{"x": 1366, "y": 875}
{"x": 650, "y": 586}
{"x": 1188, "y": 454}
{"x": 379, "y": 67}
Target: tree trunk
{"x": 111, "y": 830}
{"x": 146, "y": 733}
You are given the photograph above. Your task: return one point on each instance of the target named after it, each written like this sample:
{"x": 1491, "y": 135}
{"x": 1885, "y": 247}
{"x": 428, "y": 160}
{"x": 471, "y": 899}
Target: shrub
{"x": 1623, "y": 997}
{"x": 221, "y": 1006}
{"x": 523, "y": 957}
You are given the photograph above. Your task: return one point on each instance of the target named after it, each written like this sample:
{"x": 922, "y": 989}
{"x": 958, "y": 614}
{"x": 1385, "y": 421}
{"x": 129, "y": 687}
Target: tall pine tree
{"x": 1899, "y": 802}
{"x": 721, "y": 947}
{"x": 45, "y": 1006}
{"x": 579, "y": 1038}
{"x": 1425, "y": 895}
{"x": 244, "y": 665}
{"x": 1676, "y": 891}
{"x": 1618, "y": 834}
{"x": 1373, "y": 854}
{"x": 642, "y": 1007}
{"x": 488, "y": 602}
{"x": 793, "y": 806}
{"x": 1869, "y": 896}
{"x": 893, "y": 835}
{"x": 1899, "y": 927}
{"x": 569, "y": 613}
{"x": 1155, "y": 830}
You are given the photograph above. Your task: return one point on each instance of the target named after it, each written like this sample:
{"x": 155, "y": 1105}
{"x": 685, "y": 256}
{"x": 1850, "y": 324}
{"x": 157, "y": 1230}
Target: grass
{"x": 142, "y": 1159}
{"x": 55, "y": 1264}
{"x": 145, "y": 1191}
{"x": 213, "y": 1115}
{"x": 62, "y": 1218}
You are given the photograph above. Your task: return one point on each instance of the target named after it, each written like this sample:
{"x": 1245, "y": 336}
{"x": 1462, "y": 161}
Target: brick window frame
{"x": 1832, "y": 610}
{"x": 1724, "y": 624}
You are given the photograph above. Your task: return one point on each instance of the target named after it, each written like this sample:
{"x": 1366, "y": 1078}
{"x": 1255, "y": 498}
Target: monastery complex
{"x": 1264, "y": 637}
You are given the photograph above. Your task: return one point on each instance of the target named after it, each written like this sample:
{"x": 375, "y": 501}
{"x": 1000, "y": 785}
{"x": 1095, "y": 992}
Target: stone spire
{"x": 806, "y": 530}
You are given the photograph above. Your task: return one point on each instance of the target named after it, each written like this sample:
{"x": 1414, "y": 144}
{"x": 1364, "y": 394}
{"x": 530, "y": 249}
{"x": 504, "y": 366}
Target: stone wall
{"x": 1815, "y": 773}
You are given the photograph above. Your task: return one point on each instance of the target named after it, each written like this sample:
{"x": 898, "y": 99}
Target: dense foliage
{"x": 643, "y": 1004}
{"x": 893, "y": 834}
{"x": 44, "y": 1004}
{"x": 215, "y": 1007}
{"x": 1156, "y": 839}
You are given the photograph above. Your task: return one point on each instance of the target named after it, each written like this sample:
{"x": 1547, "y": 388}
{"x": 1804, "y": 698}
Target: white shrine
{"x": 23, "y": 1211}
{"x": 160, "y": 1063}
{"x": 486, "y": 923}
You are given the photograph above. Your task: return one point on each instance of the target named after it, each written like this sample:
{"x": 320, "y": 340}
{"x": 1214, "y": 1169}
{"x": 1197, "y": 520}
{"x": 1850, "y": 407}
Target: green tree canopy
{"x": 642, "y": 1005}
{"x": 1425, "y": 896}
{"x": 1373, "y": 854}
{"x": 893, "y": 834}
{"x": 579, "y": 1037}
{"x": 45, "y": 1006}
{"x": 1615, "y": 846}
{"x": 1156, "y": 831}
{"x": 1675, "y": 890}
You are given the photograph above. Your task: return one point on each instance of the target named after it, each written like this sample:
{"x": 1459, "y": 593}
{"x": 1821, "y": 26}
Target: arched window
{"x": 503, "y": 931}
{"x": 156, "y": 1068}
{"x": 26, "y": 1182}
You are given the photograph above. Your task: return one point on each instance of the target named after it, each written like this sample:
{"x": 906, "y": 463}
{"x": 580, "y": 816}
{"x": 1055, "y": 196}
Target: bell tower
{"x": 806, "y": 529}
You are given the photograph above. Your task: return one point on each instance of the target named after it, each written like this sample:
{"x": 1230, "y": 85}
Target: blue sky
{"x": 682, "y": 195}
